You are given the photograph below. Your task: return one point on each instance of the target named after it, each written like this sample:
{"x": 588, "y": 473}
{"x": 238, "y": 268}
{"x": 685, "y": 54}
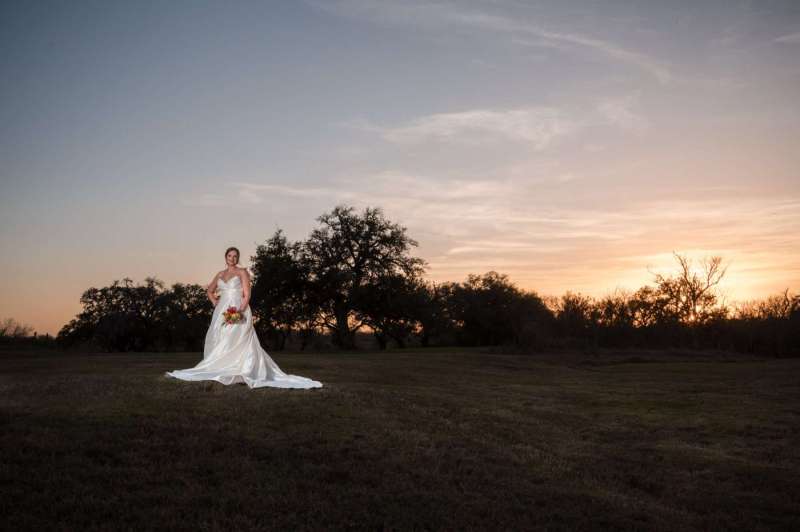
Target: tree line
{"x": 15, "y": 335}
{"x": 355, "y": 274}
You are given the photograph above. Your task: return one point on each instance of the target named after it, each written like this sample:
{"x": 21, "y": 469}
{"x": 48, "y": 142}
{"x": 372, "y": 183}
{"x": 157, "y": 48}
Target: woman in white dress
{"x": 232, "y": 353}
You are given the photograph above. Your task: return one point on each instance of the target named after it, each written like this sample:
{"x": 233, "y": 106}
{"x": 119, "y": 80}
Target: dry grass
{"x": 433, "y": 439}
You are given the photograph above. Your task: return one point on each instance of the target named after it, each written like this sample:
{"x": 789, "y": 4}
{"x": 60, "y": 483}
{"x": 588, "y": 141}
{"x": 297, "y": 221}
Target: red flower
{"x": 231, "y": 316}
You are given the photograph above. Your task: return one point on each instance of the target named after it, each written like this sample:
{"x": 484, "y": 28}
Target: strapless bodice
{"x": 230, "y": 285}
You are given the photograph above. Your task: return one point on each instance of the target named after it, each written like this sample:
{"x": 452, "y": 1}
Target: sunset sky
{"x": 570, "y": 145}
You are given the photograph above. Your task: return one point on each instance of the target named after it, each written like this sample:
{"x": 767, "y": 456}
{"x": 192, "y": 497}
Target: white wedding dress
{"x": 233, "y": 354}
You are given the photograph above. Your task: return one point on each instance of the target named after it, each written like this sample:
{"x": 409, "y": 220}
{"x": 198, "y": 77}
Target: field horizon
{"x": 436, "y": 438}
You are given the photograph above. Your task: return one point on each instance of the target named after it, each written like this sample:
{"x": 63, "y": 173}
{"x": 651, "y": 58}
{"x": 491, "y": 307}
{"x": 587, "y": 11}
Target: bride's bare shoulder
{"x": 214, "y": 280}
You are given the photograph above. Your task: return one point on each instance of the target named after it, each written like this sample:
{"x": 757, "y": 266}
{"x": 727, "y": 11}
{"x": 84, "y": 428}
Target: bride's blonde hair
{"x": 238, "y": 255}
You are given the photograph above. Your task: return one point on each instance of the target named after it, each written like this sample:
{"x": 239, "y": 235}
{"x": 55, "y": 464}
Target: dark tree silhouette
{"x": 22, "y": 336}
{"x": 433, "y": 313}
{"x": 770, "y": 326}
{"x": 347, "y": 253}
{"x": 691, "y": 295}
{"x": 118, "y": 317}
{"x": 11, "y": 328}
{"x": 489, "y": 310}
{"x": 388, "y": 305}
{"x": 182, "y": 314}
{"x": 615, "y": 319}
{"x": 575, "y": 316}
{"x": 279, "y": 296}
{"x": 128, "y": 317}
{"x": 531, "y": 321}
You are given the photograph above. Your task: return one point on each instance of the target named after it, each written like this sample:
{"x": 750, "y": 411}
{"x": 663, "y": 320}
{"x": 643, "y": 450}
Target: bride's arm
{"x": 211, "y": 289}
{"x": 245, "y": 290}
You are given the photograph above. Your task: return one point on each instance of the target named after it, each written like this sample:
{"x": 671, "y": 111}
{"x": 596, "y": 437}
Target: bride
{"x": 232, "y": 353}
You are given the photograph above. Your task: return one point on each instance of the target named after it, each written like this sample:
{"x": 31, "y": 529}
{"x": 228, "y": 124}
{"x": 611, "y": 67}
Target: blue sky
{"x": 571, "y": 145}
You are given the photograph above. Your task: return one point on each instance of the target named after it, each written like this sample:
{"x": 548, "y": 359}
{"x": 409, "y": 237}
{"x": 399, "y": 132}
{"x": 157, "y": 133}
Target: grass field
{"x": 432, "y": 439}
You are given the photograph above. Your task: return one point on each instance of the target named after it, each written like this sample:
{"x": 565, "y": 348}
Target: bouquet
{"x": 232, "y": 316}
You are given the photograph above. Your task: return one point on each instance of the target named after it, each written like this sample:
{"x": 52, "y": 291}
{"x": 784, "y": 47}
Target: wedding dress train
{"x": 233, "y": 354}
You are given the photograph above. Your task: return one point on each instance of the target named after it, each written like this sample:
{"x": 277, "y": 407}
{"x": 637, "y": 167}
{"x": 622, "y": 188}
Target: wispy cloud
{"x": 262, "y": 189}
{"x": 643, "y": 61}
{"x": 440, "y": 16}
{"x": 382, "y": 188}
{"x": 507, "y": 205}
{"x": 535, "y": 126}
{"x": 622, "y": 113}
{"x": 790, "y": 38}
{"x": 202, "y": 200}
{"x": 609, "y": 49}
{"x": 259, "y": 193}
